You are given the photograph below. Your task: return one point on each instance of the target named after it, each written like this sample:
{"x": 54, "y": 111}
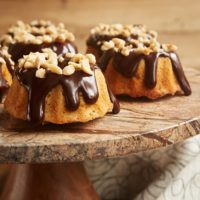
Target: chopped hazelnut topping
{"x": 37, "y": 32}
{"x": 55, "y": 69}
{"x": 69, "y": 70}
{"x": 125, "y": 51}
{"x": 2, "y": 61}
{"x": 143, "y": 42}
{"x": 69, "y": 55}
{"x": 118, "y": 29}
{"x": 107, "y": 45}
{"x": 60, "y": 59}
{"x": 40, "y": 73}
{"x": 119, "y": 43}
{"x": 169, "y": 47}
{"x": 86, "y": 66}
{"x": 91, "y": 58}
{"x": 5, "y": 55}
{"x": 49, "y": 61}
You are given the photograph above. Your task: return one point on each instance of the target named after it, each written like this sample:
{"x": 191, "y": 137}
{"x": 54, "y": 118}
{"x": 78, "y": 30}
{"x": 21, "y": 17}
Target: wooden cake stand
{"x": 142, "y": 125}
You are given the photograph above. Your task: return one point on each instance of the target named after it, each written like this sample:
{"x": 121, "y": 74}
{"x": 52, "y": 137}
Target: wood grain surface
{"x": 141, "y": 125}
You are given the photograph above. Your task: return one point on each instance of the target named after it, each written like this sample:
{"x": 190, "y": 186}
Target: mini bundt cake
{"x": 6, "y": 71}
{"x": 59, "y": 89}
{"x": 22, "y": 38}
{"x": 135, "y": 63}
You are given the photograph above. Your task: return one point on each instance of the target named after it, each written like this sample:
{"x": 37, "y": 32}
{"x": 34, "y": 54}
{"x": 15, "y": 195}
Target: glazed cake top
{"x": 119, "y": 29}
{"x": 36, "y": 32}
{"x": 142, "y": 45}
{"x": 128, "y": 38}
{"x": 66, "y": 64}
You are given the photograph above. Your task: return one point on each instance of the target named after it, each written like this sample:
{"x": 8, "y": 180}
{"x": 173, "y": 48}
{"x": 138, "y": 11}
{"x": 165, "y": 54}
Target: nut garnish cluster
{"x": 49, "y": 61}
{"x": 36, "y": 32}
{"x": 4, "y": 54}
{"x": 118, "y": 29}
{"x": 136, "y": 38}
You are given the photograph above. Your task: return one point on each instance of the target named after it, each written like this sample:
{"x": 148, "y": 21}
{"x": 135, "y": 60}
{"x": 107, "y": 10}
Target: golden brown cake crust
{"x": 6, "y": 74}
{"x": 120, "y": 85}
{"x": 135, "y": 87}
{"x": 55, "y": 110}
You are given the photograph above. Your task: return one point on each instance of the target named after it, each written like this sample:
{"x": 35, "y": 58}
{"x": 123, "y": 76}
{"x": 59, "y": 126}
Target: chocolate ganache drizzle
{"x": 72, "y": 86}
{"x": 127, "y": 66}
{"x": 17, "y": 50}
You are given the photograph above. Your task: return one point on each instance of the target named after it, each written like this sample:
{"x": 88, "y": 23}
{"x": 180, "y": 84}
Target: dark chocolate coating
{"x": 72, "y": 85}
{"x": 18, "y": 50}
{"x": 127, "y": 65}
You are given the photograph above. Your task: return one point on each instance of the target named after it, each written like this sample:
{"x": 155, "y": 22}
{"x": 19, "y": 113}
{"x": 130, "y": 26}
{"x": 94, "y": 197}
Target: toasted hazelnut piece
{"x": 77, "y": 66}
{"x": 169, "y": 47}
{"x": 119, "y": 43}
{"x": 51, "y": 30}
{"x": 77, "y": 57}
{"x": 21, "y": 62}
{"x": 146, "y": 51}
{"x": 61, "y": 38}
{"x": 51, "y": 56}
{"x": 54, "y": 69}
{"x": 70, "y": 36}
{"x": 107, "y": 45}
{"x": 38, "y": 41}
{"x": 60, "y": 59}
{"x": 69, "y": 55}
{"x": 68, "y": 70}
{"x": 42, "y": 22}
{"x": 153, "y": 33}
{"x": 139, "y": 49}
{"x": 47, "y": 38}
{"x": 86, "y": 66}
{"x": 40, "y": 73}
{"x": 7, "y": 39}
{"x": 20, "y": 23}
{"x": 125, "y": 51}
{"x": 61, "y": 25}
{"x": 125, "y": 33}
{"x": 2, "y": 61}
{"x": 91, "y": 58}
{"x": 134, "y": 41}
{"x": 28, "y": 64}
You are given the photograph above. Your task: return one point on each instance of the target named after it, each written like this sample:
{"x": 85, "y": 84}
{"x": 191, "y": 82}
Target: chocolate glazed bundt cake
{"x": 135, "y": 63}
{"x": 22, "y": 38}
{"x": 59, "y": 89}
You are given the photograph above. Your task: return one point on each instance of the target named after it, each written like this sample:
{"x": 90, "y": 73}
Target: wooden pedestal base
{"x": 48, "y": 182}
